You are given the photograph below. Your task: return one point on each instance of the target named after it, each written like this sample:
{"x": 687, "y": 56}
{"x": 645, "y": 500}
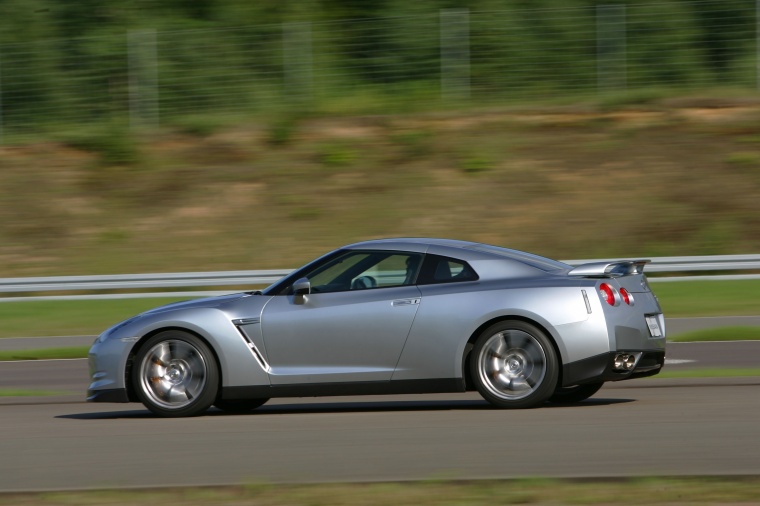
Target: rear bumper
{"x": 601, "y": 368}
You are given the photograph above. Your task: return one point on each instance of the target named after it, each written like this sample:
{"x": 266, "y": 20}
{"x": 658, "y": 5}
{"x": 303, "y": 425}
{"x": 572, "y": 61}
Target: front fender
{"x": 236, "y": 360}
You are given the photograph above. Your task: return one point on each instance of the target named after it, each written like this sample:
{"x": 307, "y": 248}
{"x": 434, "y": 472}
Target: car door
{"x": 351, "y": 327}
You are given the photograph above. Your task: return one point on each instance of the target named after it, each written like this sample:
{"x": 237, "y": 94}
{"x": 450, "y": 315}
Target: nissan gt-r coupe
{"x": 388, "y": 317}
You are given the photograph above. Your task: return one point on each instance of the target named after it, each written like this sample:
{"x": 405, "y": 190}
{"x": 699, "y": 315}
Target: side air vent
{"x": 247, "y": 321}
{"x": 249, "y": 343}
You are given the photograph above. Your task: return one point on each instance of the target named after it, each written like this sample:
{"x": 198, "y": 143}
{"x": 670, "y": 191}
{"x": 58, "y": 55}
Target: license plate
{"x": 654, "y": 326}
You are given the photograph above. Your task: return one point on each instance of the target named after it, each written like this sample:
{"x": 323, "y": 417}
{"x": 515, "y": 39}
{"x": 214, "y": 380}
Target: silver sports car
{"x": 387, "y": 317}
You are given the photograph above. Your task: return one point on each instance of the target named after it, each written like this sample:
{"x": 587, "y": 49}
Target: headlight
{"x": 105, "y": 335}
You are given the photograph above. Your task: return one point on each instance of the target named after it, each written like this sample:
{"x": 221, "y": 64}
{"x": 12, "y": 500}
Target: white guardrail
{"x": 37, "y": 285}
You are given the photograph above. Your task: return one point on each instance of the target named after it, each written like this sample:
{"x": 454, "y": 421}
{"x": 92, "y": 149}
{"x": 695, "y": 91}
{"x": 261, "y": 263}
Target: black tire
{"x": 514, "y": 365}
{"x": 238, "y": 405}
{"x": 175, "y": 374}
{"x": 576, "y": 393}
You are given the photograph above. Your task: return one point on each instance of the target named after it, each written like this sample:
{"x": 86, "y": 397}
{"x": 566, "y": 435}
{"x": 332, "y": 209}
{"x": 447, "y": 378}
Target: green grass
{"x": 69, "y": 317}
{"x": 19, "y": 392}
{"x": 45, "y": 353}
{"x": 708, "y": 298}
{"x": 719, "y": 334}
{"x": 654, "y": 491}
{"x": 709, "y": 372}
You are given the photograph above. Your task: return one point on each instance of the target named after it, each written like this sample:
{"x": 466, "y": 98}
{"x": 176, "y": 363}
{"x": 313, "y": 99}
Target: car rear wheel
{"x": 175, "y": 374}
{"x": 514, "y": 365}
{"x": 238, "y": 405}
{"x": 576, "y": 393}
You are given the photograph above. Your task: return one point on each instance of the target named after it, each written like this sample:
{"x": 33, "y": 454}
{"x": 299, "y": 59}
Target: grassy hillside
{"x": 669, "y": 177}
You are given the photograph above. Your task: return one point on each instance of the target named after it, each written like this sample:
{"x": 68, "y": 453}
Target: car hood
{"x": 198, "y": 303}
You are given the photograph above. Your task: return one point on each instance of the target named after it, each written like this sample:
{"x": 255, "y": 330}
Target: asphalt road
{"x": 642, "y": 427}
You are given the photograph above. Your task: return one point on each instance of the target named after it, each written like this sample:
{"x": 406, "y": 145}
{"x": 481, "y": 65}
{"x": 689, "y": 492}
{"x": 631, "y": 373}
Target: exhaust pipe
{"x": 625, "y": 362}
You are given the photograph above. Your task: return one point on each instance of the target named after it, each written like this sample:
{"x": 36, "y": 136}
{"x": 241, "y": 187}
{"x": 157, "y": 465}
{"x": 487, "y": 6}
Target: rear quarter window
{"x": 438, "y": 269}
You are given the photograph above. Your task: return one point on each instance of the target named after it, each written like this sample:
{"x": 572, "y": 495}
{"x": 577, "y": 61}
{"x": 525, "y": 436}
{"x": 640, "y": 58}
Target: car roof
{"x": 408, "y": 241}
{"x": 465, "y": 250}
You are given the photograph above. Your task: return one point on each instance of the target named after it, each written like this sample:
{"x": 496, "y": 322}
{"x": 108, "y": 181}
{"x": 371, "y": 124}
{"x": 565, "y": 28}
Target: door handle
{"x": 406, "y": 302}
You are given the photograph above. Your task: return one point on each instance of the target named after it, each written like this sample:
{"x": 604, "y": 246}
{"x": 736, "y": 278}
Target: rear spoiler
{"x": 610, "y": 269}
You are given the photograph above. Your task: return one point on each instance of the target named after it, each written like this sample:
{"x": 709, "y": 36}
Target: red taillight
{"x": 607, "y": 293}
{"x": 627, "y": 297}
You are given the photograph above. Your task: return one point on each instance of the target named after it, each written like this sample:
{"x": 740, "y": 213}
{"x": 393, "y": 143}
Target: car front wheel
{"x": 175, "y": 374}
{"x": 514, "y": 365}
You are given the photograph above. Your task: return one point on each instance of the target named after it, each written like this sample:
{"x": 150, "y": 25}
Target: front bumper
{"x": 107, "y": 370}
{"x": 601, "y": 368}
{"x": 109, "y": 395}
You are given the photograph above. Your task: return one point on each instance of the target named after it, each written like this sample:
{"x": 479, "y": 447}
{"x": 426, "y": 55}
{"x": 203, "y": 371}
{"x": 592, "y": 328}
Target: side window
{"x": 362, "y": 270}
{"x": 329, "y": 277}
{"x": 393, "y": 270}
{"x": 438, "y": 269}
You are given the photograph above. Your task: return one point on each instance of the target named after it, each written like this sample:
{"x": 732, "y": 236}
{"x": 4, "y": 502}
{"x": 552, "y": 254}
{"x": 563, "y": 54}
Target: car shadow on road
{"x": 588, "y": 403}
{"x": 345, "y": 407}
{"x": 106, "y": 415}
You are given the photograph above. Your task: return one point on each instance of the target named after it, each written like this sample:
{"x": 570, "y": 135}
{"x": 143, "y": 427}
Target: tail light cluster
{"x": 613, "y": 297}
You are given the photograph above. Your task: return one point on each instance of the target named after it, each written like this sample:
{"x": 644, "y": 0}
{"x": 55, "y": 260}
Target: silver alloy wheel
{"x": 512, "y": 364}
{"x": 173, "y": 373}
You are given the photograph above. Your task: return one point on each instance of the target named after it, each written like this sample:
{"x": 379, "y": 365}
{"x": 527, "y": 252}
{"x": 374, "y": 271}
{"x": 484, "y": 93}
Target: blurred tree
{"x": 28, "y": 59}
{"x": 533, "y": 47}
{"x": 663, "y": 45}
{"x": 69, "y": 60}
{"x": 727, "y": 38}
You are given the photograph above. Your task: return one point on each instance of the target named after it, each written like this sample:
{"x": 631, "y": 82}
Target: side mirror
{"x": 301, "y": 289}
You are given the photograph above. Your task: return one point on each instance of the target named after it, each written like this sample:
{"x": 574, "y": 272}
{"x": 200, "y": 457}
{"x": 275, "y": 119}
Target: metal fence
{"x": 153, "y": 77}
{"x": 92, "y": 284}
